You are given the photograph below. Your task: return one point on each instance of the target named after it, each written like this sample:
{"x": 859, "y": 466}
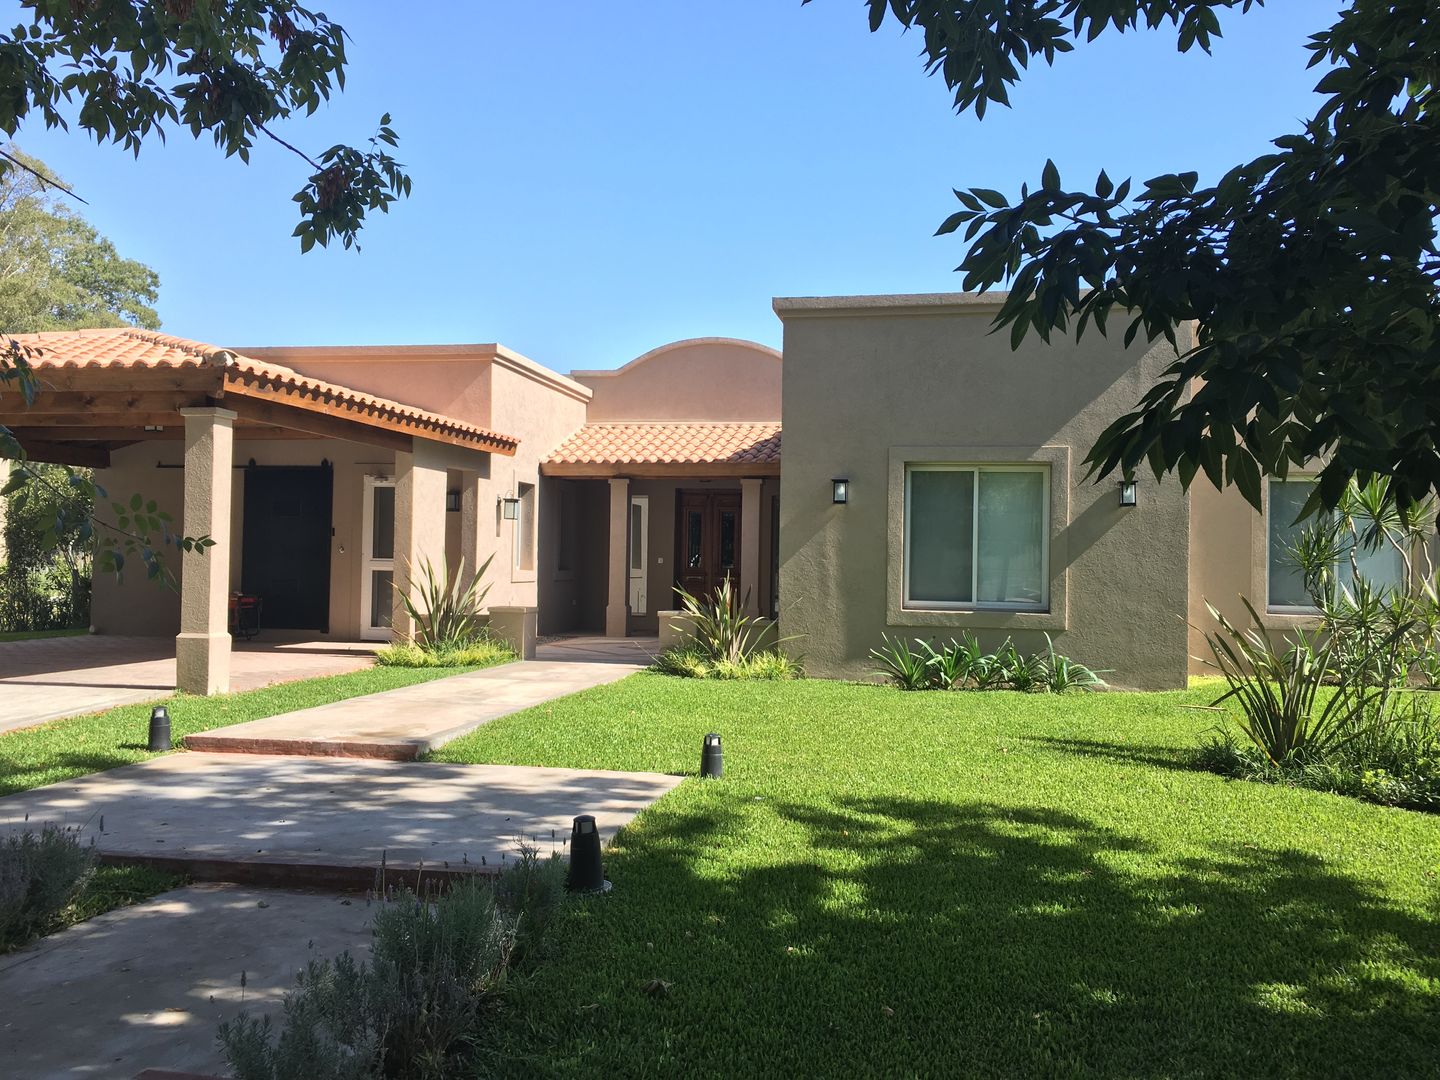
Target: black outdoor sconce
{"x": 586, "y": 873}
{"x": 509, "y": 507}
{"x": 1127, "y": 492}
{"x": 159, "y": 728}
{"x": 840, "y": 491}
{"x": 712, "y": 758}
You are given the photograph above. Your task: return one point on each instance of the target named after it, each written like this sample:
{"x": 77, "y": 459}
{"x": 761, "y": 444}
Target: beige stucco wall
{"x": 453, "y": 380}
{"x": 543, "y": 410}
{"x": 872, "y": 382}
{"x": 716, "y": 379}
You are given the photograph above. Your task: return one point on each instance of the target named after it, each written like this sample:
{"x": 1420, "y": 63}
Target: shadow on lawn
{"x": 1163, "y": 757}
{"x": 1004, "y": 941}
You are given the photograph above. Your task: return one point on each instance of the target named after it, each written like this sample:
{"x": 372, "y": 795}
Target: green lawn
{"x": 970, "y": 885}
{"x": 31, "y": 635}
{"x": 78, "y": 745}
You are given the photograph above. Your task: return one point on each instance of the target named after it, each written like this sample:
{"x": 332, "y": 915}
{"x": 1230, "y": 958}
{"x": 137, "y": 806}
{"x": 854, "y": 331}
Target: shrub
{"x": 960, "y": 665}
{"x": 688, "y": 661}
{"x": 446, "y": 611}
{"x": 418, "y": 1008}
{"x": 40, "y": 874}
{"x": 482, "y": 650}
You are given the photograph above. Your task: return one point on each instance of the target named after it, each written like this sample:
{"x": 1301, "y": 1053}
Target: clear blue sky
{"x": 593, "y": 180}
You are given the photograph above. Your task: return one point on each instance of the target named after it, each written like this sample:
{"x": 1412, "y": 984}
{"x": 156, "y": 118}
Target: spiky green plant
{"x": 905, "y": 667}
{"x": 719, "y": 627}
{"x": 445, "y": 611}
{"x": 1278, "y": 689}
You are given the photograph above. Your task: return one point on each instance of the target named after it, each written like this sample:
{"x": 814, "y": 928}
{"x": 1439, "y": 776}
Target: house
{"x": 328, "y": 476}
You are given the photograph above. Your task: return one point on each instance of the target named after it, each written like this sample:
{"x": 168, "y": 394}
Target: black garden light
{"x": 1127, "y": 492}
{"x": 840, "y": 491}
{"x": 712, "y": 759}
{"x": 586, "y": 874}
{"x": 159, "y": 728}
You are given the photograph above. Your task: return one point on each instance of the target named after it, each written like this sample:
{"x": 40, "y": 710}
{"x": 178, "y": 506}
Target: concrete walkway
{"x": 403, "y": 724}
{"x": 49, "y": 678}
{"x": 261, "y": 818}
{"x": 147, "y": 986}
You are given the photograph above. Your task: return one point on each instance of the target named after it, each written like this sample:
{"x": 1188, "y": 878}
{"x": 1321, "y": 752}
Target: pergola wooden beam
{"x": 86, "y": 457}
{"x": 375, "y": 418}
{"x": 175, "y": 432}
{"x": 319, "y": 424}
{"x": 70, "y": 402}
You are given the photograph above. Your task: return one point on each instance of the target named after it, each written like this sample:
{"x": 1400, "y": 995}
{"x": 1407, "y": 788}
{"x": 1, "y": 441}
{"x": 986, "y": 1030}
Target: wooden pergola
{"x": 92, "y": 400}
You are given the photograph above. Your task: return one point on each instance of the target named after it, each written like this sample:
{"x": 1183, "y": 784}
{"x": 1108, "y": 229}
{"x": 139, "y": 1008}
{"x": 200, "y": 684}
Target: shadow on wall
{"x": 1004, "y": 941}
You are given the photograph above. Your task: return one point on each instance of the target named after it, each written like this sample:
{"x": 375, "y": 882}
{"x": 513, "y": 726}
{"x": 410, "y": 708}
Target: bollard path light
{"x": 586, "y": 873}
{"x": 712, "y": 758}
{"x": 159, "y": 728}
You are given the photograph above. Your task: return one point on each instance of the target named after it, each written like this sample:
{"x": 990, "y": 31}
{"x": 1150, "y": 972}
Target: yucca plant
{"x": 446, "y": 612}
{"x": 906, "y": 667}
{"x": 720, "y": 628}
{"x": 1278, "y": 690}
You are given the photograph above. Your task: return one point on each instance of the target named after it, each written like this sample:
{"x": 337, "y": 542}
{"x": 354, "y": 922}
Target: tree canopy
{"x": 1311, "y": 273}
{"x": 56, "y": 271}
{"x": 126, "y": 71}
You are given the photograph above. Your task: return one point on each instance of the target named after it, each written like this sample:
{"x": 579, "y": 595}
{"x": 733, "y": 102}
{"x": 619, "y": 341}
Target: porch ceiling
{"x": 669, "y": 449}
{"x": 102, "y": 389}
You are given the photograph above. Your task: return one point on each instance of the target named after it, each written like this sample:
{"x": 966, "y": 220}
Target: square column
{"x": 202, "y": 648}
{"x": 750, "y": 503}
{"x": 617, "y": 605}
{"x": 419, "y": 527}
{"x": 471, "y": 557}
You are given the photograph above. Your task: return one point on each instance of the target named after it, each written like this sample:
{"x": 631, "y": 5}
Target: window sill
{"x": 1290, "y": 619}
{"x": 977, "y": 618}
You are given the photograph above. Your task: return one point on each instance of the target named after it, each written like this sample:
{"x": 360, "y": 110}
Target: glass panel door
{"x": 377, "y": 559}
{"x": 639, "y": 553}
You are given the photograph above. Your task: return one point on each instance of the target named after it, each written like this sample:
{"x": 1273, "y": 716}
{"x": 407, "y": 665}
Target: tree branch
{"x": 42, "y": 177}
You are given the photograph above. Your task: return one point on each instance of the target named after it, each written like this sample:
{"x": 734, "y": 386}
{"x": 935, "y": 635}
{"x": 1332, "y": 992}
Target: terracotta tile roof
{"x": 672, "y": 443}
{"x": 126, "y": 348}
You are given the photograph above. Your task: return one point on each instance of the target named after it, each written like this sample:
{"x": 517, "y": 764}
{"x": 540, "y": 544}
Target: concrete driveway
{"x": 49, "y": 678}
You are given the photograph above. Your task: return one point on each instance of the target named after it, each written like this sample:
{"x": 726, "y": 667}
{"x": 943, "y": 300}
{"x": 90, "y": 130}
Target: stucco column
{"x": 617, "y": 604}
{"x": 202, "y": 648}
{"x": 750, "y": 544}
{"x": 419, "y": 527}
{"x": 470, "y": 554}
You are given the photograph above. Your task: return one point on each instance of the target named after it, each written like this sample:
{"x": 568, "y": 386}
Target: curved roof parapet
{"x": 674, "y": 346}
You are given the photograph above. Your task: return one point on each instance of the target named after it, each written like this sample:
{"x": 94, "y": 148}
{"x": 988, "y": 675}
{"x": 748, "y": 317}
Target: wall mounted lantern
{"x": 509, "y": 507}
{"x": 1127, "y": 492}
{"x": 840, "y": 491}
{"x": 452, "y": 502}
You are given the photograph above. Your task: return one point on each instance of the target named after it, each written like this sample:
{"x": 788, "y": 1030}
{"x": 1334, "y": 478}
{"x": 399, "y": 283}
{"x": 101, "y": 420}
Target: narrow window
{"x": 525, "y": 528}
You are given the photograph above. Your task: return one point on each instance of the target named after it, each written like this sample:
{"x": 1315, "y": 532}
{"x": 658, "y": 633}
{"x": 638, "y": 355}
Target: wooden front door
{"x": 707, "y": 541}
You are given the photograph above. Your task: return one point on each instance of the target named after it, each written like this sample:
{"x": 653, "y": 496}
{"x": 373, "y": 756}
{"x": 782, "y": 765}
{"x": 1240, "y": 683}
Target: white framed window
{"x": 977, "y": 537}
{"x": 525, "y": 528}
{"x": 1285, "y": 587}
